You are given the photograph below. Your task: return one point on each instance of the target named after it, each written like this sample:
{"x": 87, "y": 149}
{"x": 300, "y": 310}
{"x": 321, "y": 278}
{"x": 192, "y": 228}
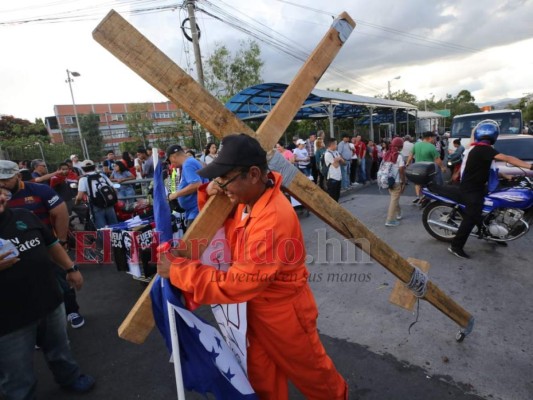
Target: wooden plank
{"x": 342, "y": 221}
{"x": 135, "y": 327}
{"x": 301, "y": 86}
{"x": 127, "y": 44}
{"x": 401, "y": 295}
{"x": 140, "y": 321}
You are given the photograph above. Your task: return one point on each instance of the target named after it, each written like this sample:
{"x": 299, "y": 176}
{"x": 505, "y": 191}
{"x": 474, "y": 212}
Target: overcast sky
{"x": 436, "y": 47}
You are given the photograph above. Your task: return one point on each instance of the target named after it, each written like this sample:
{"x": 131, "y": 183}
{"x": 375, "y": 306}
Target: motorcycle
{"x": 507, "y": 212}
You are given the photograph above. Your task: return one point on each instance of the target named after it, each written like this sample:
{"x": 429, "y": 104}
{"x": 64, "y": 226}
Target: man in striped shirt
{"x": 310, "y": 147}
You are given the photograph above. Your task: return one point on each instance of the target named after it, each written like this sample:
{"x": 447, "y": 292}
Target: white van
{"x": 510, "y": 122}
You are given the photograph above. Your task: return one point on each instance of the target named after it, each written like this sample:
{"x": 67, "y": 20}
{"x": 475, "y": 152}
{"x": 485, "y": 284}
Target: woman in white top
{"x": 210, "y": 153}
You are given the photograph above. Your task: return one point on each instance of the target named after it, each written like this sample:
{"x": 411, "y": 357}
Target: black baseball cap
{"x": 174, "y": 148}
{"x": 238, "y": 150}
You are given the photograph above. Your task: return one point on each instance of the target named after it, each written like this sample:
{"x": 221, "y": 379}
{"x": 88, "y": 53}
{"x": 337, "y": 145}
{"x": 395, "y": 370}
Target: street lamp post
{"x": 42, "y": 152}
{"x": 426, "y": 102}
{"x": 82, "y": 143}
{"x": 388, "y": 84}
{"x": 444, "y": 121}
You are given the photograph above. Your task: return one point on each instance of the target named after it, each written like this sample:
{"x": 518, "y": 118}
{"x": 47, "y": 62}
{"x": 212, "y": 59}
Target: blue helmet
{"x": 487, "y": 129}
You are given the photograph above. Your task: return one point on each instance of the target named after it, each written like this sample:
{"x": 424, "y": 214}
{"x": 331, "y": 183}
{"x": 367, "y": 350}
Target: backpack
{"x": 104, "y": 196}
{"x": 324, "y": 169}
{"x": 385, "y": 177}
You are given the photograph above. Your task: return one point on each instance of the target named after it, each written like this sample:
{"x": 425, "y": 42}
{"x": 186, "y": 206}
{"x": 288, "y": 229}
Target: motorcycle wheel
{"x": 444, "y": 214}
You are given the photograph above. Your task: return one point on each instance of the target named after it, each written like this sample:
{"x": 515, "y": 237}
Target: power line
{"x": 451, "y": 46}
{"x": 279, "y": 43}
{"x": 92, "y": 12}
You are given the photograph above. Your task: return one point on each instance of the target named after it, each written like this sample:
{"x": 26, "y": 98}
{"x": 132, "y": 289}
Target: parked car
{"x": 520, "y": 146}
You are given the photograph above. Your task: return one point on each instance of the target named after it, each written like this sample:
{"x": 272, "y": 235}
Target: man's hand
{"x": 5, "y": 264}
{"x": 163, "y": 265}
{"x": 75, "y": 279}
{"x": 164, "y": 260}
{"x": 213, "y": 189}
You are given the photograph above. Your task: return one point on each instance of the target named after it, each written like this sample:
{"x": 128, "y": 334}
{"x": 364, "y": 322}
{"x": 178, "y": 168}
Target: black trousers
{"x": 69, "y": 294}
{"x": 334, "y": 189}
{"x": 314, "y": 169}
{"x": 353, "y": 170}
{"x": 472, "y": 216}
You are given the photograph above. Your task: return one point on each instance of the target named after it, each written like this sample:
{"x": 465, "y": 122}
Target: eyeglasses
{"x": 224, "y": 185}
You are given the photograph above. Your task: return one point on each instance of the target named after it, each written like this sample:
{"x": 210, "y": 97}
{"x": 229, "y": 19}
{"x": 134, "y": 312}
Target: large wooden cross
{"x": 133, "y": 49}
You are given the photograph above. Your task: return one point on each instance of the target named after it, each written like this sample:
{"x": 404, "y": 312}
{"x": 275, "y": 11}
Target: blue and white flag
{"x": 161, "y": 208}
{"x": 208, "y": 365}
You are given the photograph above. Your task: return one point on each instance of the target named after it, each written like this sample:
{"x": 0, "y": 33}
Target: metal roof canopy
{"x": 255, "y": 102}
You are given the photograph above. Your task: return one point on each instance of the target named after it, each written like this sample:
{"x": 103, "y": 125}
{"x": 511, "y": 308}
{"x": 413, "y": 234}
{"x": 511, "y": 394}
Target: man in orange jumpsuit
{"x": 268, "y": 272}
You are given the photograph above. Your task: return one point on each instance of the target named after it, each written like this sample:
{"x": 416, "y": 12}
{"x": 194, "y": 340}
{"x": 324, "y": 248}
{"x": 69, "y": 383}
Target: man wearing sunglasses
{"x": 267, "y": 271}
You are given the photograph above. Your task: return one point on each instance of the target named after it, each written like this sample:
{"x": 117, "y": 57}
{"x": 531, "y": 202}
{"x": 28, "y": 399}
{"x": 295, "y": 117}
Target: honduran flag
{"x": 207, "y": 363}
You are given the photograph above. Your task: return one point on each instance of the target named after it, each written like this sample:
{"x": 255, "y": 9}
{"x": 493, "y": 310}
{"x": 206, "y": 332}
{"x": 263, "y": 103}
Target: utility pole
{"x": 195, "y": 41}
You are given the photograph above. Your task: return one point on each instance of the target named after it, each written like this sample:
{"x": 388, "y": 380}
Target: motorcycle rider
{"x": 474, "y": 177}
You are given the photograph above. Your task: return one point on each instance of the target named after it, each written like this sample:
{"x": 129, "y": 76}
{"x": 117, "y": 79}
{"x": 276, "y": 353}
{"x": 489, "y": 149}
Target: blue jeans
{"x": 345, "y": 171}
{"x": 438, "y": 179}
{"x": 101, "y": 218}
{"x": 17, "y": 349}
{"x": 305, "y": 170}
{"x": 104, "y": 216}
{"x": 362, "y": 171}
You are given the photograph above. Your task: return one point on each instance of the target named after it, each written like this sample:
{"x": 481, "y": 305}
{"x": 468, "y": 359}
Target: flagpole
{"x": 166, "y": 234}
{"x": 175, "y": 351}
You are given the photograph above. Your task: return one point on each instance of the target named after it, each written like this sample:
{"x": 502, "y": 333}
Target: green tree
{"x": 404, "y": 96}
{"x": 12, "y": 127}
{"x": 464, "y": 96}
{"x": 463, "y": 103}
{"x": 226, "y": 74}
{"x": 90, "y": 128}
{"x": 29, "y": 148}
{"x": 139, "y": 123}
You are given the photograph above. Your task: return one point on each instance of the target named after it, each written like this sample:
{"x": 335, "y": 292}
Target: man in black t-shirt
{"x": 474, "y": 177}
{"x": 31, "y": 309}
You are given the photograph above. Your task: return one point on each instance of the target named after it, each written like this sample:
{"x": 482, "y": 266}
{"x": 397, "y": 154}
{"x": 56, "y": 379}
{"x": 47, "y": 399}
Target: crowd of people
{"x": 38, "y": 298}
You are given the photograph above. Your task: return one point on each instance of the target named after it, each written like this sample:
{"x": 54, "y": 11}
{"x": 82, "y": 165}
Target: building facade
{"x": 62, "y": 127}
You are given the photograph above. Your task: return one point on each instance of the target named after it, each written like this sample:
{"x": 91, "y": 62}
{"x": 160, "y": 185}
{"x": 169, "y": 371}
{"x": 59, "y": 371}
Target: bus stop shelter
{"x": 255, "y": 102}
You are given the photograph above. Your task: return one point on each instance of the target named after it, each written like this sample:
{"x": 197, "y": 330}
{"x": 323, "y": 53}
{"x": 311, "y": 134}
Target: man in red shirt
{"x": 360, "y": 150}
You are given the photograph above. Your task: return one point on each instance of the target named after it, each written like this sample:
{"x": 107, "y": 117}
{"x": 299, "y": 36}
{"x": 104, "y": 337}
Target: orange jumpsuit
{"x": 268, "y": 272}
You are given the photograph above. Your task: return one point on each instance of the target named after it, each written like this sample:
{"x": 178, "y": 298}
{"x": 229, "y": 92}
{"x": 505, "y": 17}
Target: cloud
{"x": 437, "y": 47}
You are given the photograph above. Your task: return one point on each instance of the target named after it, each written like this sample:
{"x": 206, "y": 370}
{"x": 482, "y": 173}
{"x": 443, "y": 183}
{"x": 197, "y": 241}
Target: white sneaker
{"x": 399, "y": 217}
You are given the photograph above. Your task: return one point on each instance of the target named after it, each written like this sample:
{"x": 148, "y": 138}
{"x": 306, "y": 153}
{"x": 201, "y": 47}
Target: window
{"x": 510, "y": 122}
{"x": 118, "y": 117}
{"x": 70, "y": 120}
{"x": 163, "y": 115}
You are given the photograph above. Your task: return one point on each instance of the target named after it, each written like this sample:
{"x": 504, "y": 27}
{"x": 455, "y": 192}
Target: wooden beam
{"x": 403, "y": 296}
{"x": 118, "y": 36}
{"x": 140, "y": 320}
{"x": 127, "y": 44}
{"x": 340, "y": 219}
{"x": 301, "y": 188}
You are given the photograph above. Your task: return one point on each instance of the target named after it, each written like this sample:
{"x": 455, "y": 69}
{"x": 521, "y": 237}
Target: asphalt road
{"x": 364, "y": 334}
